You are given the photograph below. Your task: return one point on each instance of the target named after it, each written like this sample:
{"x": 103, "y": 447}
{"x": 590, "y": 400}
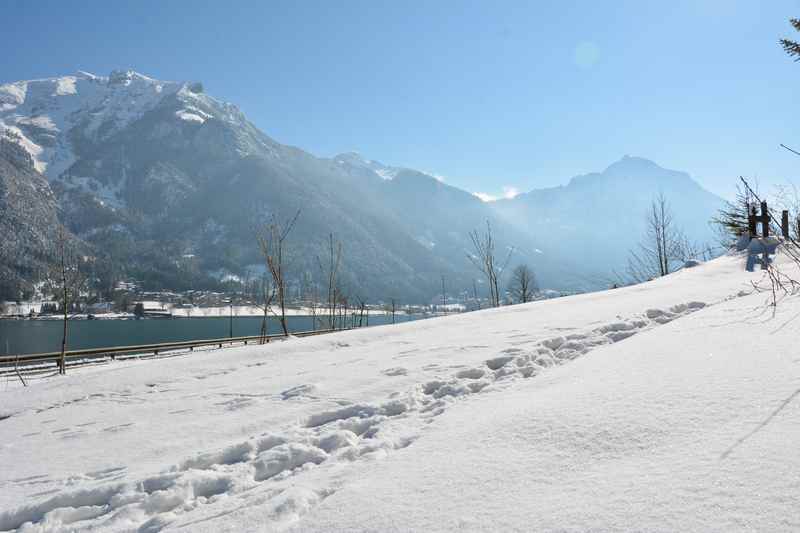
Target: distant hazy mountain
{"x": 592, "y": 222}
{"x": 168, "y": 183}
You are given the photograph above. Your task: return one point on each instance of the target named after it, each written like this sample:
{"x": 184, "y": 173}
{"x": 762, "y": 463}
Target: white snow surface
{"x": 667, "y": 406}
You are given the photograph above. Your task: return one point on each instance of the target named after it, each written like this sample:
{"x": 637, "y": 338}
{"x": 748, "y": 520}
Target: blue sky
{"x": 489, "y": 95}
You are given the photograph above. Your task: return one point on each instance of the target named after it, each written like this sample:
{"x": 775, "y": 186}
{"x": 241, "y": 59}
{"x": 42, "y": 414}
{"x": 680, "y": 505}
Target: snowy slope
{"x": 689, "y": 427}
{"x": 484, "y": 421}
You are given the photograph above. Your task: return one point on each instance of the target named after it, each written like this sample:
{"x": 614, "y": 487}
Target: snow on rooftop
{"x": 670, "y": 405}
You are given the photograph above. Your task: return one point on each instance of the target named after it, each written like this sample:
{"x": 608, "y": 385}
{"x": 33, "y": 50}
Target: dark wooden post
{"x": 764, "y": 219}
{"x": 785, "y": 223}
{"x": 751, "y": 222}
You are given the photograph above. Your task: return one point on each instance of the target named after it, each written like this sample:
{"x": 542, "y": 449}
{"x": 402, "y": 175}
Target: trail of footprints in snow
{"x": 349, "y": 433}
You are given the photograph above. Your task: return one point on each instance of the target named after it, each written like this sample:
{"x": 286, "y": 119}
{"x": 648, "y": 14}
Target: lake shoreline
{"x": 43, "y": 335}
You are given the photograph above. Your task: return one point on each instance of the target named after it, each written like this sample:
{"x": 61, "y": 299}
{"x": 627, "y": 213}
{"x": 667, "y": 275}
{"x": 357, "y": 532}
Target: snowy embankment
{"x": 528, "y": 417}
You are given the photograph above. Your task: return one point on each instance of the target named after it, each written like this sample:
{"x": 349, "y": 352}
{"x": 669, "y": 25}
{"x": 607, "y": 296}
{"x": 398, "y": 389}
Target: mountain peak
{"x": 356, "y": 160}
{"x": 45, "y": 113}
{"x": 125, "y": 77}
{"x": 632, "y": 164}
{"x": 351, "y": 157}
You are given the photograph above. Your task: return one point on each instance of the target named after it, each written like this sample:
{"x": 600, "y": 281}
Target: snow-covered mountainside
{"x": 64, "y": 121}
{"x": 150, "y": 173}
{"x": 46, "y": 112}
{"x": 28, "y": 219}
{"x": 668, "y": 406}
{"x": 354, "y": 161}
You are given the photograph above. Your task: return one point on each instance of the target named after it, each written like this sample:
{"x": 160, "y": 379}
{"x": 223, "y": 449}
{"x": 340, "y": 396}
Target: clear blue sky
{"x": 486, "y": 94}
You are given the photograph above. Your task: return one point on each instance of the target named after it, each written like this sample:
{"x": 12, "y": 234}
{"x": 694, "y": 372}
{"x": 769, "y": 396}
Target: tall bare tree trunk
{"x": 662, "y": 246}
{"x": 271, "y": 239}
{"x": 330, "y": 271}
{"x": 62, "y": 362}
{"x": 66, "y": 280}
{"x": 485, "y": 261}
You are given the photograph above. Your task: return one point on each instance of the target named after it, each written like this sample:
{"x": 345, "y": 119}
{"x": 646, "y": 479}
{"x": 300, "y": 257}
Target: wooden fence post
{"x": 764, "y": 219}
{"x": 785, "y": 224}
{"x": 751, "y": 222}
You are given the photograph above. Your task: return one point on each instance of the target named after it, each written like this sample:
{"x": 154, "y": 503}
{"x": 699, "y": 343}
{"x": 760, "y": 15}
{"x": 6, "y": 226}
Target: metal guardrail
{"x": 39, "y": 361}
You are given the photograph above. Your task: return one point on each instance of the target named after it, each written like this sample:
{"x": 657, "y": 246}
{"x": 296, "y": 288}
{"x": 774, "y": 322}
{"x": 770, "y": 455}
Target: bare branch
{"x": 271, "y": 238}
{"x": 485, "y": 261}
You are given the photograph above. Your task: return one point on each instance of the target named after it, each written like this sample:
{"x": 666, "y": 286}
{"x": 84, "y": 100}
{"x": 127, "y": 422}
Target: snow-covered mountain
{"x": 168, "y": 182}
{"x": 28, "y": 220}
{"x": 47, "y": 113}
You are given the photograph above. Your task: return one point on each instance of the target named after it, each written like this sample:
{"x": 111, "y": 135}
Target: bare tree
{"x": 523, "y": 284}
{"x": 444, "y": 296}
{"x": 272, "y": 241}
{"x": 329, "y": 271}
{"x": 66, "y": 279}
{"x": 661, "y": 247}
{"x": 362, "y": 310}
{"x": 262, "y": 293}
{"x": 485, "y": 260}
{"x": 343, "y": 302}
{"x": 308, "y": 291}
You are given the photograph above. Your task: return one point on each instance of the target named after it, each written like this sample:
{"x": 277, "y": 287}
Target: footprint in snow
{"x": 395, "y": 371}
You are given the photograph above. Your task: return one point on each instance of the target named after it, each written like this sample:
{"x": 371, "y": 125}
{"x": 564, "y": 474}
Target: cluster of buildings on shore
{"x": 126, "y": 299}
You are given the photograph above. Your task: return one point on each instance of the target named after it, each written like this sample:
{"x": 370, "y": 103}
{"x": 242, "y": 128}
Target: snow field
{"x": 301, "y": 433}
{"x": 350, "y": 433}
{"x": 693, "y": 426}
